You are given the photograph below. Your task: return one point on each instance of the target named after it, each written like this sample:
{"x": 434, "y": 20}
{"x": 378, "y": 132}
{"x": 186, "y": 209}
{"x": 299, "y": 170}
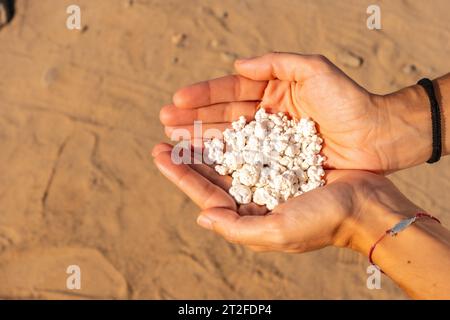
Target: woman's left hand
{"x": 322, "y": 217}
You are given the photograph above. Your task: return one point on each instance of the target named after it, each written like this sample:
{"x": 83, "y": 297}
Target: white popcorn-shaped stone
{"x": 270, "y": 124}
{"x": 248, "y": 175}
{"x": 266, "y": 147}
{"x": 242, "y": 194}
{"x": 277, "y": 120}
{"x": 249, "y": 129}
{"x": 260, "y": 196}
{"x": 248, "y": 156}
{"x": 240, "y": 140}
{"x": 307, "y": 187}
{"x": 298, "y": 137}
{"x": 306, "y": 127}
{"x": 239, "y": 124}
{"x": 214, "y": 150}
{"x": 222, "y": 170}
{"x": 312, "y": 160}
{"x": 287, "y": 162}
{"x": 302, "y": 176}
{"x": 285, "y": 194}
{"x": 261, "y": 115}
{"x": 280, "y": 146}
{"x": 292, "y": 150}
{"x": 253, "y": 143}
{"x": 315, "y": 173}
{"x": 264, "y": 177}
{"x": 232, "y": 160}
{"x": 260, "y": 130}
{"x": 228, "y": 134}
{"x": 290, "y": 177}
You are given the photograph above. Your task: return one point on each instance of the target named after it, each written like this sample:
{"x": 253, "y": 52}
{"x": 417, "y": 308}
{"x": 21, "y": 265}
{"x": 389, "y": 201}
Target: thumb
{"x": 248, "y": 230}
{"x": 283, "y": 66}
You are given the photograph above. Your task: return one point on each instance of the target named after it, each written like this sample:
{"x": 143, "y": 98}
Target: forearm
{"x": 417, "y": 259}
{"x": 406, "y": 125}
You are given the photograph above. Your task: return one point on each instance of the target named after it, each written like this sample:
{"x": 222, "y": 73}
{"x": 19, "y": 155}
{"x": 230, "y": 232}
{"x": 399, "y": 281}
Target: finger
{"x": 197, "y": 144}
{"x": 216, "y": 113}
{"x": 205, "y": 170}
{"x": 209, "y": 173}
{"x": 197, "y": 132}
{"x": 225, "y": 89}
{"x": 252, "y": 209}
{"x": 160, "y": 147}
{"x": 283, "y": 66}
{"x": 204, "y": 193}
{"x": 247, "y": 230}
{"x": 225, "y": 183}
{"x": 259, "y": 248}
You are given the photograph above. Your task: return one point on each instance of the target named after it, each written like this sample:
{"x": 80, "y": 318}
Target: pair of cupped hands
{"x": 353, "y": 123}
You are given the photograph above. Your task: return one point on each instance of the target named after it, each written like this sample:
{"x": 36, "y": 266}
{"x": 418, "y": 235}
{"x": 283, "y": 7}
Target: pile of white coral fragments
{"x": 270, "y": 159}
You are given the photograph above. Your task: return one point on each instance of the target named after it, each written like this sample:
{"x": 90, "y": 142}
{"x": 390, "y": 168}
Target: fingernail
{"x": 204, "y": 222}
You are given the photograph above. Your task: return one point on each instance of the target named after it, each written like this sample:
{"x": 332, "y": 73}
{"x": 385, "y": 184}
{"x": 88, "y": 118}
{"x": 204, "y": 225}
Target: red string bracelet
{"x": 402, "y": 225}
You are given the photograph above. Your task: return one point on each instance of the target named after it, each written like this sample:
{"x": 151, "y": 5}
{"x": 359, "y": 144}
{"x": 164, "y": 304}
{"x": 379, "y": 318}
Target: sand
{"x": 79, "y": 116}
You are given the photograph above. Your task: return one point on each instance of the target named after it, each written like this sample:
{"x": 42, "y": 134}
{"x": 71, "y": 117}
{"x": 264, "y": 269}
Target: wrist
{"x": 379, "y": 207}
{"x": 416, "y": 256}
{"x": 406, "y": 138}
{"x": 373, "y": 223}
{"x": 375, "y": 205}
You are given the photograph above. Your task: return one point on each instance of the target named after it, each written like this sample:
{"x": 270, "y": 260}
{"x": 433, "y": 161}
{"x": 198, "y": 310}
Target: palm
{"x": 344, "y": 111}
{"x": 306, "y": 222}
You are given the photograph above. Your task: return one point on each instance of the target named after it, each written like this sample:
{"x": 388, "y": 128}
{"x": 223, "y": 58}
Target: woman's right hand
{"x": 361, "y": 130}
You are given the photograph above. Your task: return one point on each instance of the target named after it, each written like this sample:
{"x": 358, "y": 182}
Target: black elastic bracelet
{"x": 427, "y": 84}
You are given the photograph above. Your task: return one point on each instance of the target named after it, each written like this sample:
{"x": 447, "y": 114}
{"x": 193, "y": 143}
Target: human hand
{"x": 330, "y": 215}
{"x": 360, "y": 130}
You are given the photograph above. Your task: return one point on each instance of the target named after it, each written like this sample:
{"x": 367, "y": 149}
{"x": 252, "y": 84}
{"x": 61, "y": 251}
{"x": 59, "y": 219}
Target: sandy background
{"x": 79, "y": 115}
